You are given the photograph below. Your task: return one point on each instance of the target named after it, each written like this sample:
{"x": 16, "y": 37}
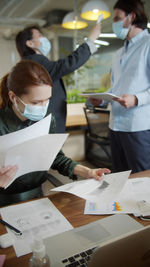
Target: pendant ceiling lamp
{"x": 73, "y": 22}
{"x": 93, "y": 8}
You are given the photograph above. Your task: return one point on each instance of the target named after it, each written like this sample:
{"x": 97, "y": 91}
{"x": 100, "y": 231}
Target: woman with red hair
{"x": 25, "y": 96}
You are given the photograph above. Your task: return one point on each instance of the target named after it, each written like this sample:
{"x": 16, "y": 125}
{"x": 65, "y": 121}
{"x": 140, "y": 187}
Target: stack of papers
{"x": 114, "y": 194}
{"x": 104, "y": 96}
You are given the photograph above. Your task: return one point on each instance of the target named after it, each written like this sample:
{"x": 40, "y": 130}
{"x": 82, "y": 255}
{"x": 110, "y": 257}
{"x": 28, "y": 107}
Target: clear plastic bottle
{"x": 39, "y": 257}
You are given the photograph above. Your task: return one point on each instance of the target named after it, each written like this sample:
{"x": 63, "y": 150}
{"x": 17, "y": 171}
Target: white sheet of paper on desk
{"x": 38, "y": 217}
{"x": 134, "y": 198}
{"x": 35, "y": 130}
{"x": 104, "y": 96}
{"x": 125, "y": 203}
{"x": 141, "y": 189}
{"x": 106, "y": 190}
{"x": 35, "y": 155}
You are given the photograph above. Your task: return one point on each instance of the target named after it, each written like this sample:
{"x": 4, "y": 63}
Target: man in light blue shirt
{"x": 130, "y": 115}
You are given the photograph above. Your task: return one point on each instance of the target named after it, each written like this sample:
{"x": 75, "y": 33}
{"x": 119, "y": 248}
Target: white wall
{"x": 8, "y": 55}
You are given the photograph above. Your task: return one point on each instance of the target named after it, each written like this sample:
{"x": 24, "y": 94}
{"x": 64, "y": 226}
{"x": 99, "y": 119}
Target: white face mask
{"x": 32, "y": 112}
{"x": 45, "y": 46}
{"x": 119, "y": 30}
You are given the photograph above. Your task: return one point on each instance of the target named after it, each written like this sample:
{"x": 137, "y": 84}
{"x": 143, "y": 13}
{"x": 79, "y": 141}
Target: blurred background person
{"x": 31, "y": 44}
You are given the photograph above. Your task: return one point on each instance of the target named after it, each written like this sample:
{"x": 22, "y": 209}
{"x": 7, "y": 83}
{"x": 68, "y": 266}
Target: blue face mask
{"x": 119, "y": 30}
{"x": 32, "y": 112}
{"x": 45, "y": 46}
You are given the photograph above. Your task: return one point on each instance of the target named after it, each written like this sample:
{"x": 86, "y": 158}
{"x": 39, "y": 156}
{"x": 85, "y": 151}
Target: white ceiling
{"x": 15, "y": 14}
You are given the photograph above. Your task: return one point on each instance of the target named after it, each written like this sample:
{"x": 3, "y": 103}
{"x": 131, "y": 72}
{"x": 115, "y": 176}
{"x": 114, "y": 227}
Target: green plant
{"x": 69, "y": 79}
{"x": 73, "y": 96}
{"x": 72, "y": 81}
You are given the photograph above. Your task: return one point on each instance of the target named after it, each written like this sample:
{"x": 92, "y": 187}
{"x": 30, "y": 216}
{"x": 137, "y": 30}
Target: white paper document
{"x": 104, "y": 96}
{"x": 141, "y": 189}
{"x": 35, "y": 155}
{"x": 134, "y": 198}
{"x": 35, "y": 218}
{"x": 106, "y": 190}
{"x": 35, "y": 130}
{"x": 31, "y": 149}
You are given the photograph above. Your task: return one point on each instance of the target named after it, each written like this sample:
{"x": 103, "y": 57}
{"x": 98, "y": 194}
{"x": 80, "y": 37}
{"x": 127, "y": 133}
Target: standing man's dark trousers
{"x": 130, "y": 150}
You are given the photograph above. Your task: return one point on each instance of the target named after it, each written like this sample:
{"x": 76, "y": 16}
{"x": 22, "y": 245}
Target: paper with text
{"x": 134, "y": 198}
{"x": 38, "y": 217}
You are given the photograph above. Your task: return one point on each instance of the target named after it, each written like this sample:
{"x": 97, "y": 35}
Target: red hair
{"x": 25, "y": 74}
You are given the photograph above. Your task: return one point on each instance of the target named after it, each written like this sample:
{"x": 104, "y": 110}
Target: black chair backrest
{"x": 97, "y": 122}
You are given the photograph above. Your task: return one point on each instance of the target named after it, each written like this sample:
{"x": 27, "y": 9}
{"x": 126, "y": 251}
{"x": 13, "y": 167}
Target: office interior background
{"x": 49, "y": 14}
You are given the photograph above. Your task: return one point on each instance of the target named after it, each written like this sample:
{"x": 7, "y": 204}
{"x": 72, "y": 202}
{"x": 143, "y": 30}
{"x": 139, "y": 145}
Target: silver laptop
{"x": 130, "y": 250}
{"x": 66, "y": 248}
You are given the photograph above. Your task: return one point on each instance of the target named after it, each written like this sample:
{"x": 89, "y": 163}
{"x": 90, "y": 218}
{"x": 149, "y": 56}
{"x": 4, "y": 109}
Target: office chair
{"x": 97, "y": 141}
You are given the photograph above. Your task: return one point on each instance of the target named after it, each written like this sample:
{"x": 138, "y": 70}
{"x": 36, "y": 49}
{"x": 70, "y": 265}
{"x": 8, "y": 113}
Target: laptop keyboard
{"x": 81, "y": 259}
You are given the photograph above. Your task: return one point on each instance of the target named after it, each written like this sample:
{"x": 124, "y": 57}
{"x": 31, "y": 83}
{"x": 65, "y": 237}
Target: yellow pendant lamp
{"x": 72, "y": 22}
{"x": 93, "y": 8}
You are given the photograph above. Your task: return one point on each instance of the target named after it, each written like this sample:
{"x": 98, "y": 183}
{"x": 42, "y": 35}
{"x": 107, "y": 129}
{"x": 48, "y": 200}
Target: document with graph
{"x": 134, "y": 198}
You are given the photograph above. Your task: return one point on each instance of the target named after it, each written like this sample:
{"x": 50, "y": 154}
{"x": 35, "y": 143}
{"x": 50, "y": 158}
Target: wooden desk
{"x": 75, "y": 115}
{"x": 72, "y": 208}
{"x": 76, "y": 120}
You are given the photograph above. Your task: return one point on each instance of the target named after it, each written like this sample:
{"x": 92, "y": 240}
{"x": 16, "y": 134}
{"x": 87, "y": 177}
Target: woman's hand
{"x": 7, "y": 174}
{"x": 97, "y": 173}
{"x": 86, "y": 172}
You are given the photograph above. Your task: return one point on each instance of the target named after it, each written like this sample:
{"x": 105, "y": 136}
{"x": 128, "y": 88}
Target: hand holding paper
{"x": 7, "y": 174}
{"x": 8, "y": 144}
{"x": 35, "y": 155}
{"x": 28, "y": 150}
{"x": 95, "y": 102}
{"x": 88, "y": 173}
{"x": 98, "y": 173}
{"x": 104, "y": 191}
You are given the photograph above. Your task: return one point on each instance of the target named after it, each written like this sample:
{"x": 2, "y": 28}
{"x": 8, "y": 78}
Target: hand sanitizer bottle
{"x": 39, "y": 257}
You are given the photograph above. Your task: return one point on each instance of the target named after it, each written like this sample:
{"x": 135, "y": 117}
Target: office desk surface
{"x": 75, "y": 115}
{"x": 76, "y": 120}
{"x": 72, "y": 208}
